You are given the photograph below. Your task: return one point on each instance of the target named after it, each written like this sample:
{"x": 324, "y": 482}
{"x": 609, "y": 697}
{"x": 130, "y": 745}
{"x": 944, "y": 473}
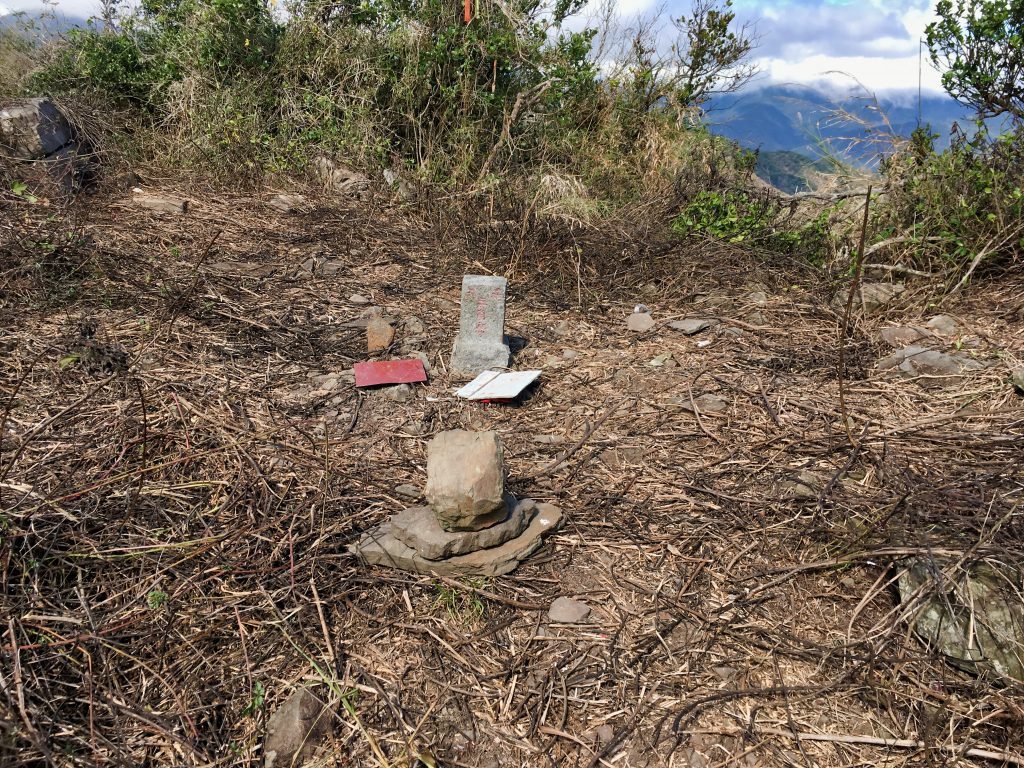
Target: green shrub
{"x": 950, "y": 209}
{"x": 739, "y": 216}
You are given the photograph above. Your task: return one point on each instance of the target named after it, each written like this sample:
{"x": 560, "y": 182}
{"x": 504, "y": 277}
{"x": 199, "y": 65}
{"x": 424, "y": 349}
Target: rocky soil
{"x": 185, "y": 461}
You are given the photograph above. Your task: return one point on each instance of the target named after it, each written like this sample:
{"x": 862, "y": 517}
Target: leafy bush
{"x": 739, "y": 216}
{"x": 959, "y": 208}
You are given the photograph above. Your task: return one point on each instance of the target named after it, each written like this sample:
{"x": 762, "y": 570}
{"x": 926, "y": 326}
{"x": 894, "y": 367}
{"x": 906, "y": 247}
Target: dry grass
{"x": 178, "y": 494}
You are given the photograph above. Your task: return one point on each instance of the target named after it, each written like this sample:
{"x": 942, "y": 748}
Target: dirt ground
{"x": 185, "y": 459}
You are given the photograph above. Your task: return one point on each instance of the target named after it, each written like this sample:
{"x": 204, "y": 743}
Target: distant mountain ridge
{"x": 807, "y": 120}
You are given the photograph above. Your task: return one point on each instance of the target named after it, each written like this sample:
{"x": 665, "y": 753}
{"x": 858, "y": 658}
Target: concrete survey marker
{"x": 481, "y": 341}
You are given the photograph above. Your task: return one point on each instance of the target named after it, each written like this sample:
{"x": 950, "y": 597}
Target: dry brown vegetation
{"x": 178, "y": 492}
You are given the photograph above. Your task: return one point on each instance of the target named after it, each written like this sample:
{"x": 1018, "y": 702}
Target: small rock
{"x": 1017, "y": 377}
{"x": 565, "y": 610}
{"x": 570, "y": 354}
{"x": 902, "y": 336}
{"x": 295, "y": 730}
{"x": 408, "y": 491}
{"x": 639, "y": 322}
{"x": 422, "y": 357}
{"x": 873, "y": 296}
{"x": 561, "y": 328}
{"x": 705, "y": 403}
{"x": 286, "y": 203}
{"x": 379, "y": 335}
{"x": 159, "y": 203}
{"x": 944, "y": 325}
{"x": 358, "y": 298}
{"x": 663, "y": 361}
{"x": 400, "y": 393}
{"x": 758, "y": 298}
{"x": 414, "y": 326}
{"x": 548, "y": 439}
{"x": 806, "y": 486}
{"x": 604, "y": 734}
{"x": 466, "y": 479}
{"x": 692, "y": 325}
{"x": 339, "y": 178}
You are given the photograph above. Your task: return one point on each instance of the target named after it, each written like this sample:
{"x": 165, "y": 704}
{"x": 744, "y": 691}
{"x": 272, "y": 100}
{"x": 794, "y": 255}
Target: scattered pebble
{"x": 358, "y": 298}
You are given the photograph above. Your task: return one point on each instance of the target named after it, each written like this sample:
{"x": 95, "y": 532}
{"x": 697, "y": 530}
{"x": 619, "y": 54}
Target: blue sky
{"x": 801, "y": 41}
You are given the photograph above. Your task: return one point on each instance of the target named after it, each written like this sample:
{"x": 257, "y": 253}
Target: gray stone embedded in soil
{"x": 418, "y": 528}
{"x": 1017, "y": 377}
{"x": 705, "y": 403}
{"x": 901, "y": 336}
{"x": 692, "y": 325}
{"x": 916, "y": 361}
{"x": 160, "y": 203}
{"x": 944, "y": 325}
{"x": 481, "y": 343}
{"x": 639, "y": 322}
{"x": 466, "y": 479}
{"x": 408, "y": 490}
{"x": 975, "y": 617}
{"x": 870, "y": 297}
{"x": 295, "y": 730}
{"x": 400, "y": 393}
{"x": 874, "y": 296}
{"x": 381, "y": 547}
{"x": 287, "y": 203}
{"x": 34, "y": 128}
{"x": 565, "y": 610}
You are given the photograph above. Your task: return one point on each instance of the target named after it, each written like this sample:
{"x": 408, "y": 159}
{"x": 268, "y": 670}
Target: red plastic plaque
{"x": 378, "y": 372}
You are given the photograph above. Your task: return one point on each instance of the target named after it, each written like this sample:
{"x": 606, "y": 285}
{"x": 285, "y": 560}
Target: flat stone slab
{"x": 914, "y": 361}
{"x": 692, "y": 325}
{"x": 160, "y": 203}
{"x": 418, "y": 528}
{"x": 901, "y": 336}
{"x": 565, "y": 610}
{"x": 481, "y": 343}
{"x": 380, "y": 547}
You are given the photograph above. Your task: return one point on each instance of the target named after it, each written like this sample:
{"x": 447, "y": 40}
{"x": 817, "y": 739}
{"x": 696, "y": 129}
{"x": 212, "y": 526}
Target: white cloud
{"x": 877, "y": 73}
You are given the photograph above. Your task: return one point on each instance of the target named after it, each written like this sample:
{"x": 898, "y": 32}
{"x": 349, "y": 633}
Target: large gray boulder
{"x": 974, "y": 617}
{"x": 34, "y": 128}
{"x": 466, "y": 479}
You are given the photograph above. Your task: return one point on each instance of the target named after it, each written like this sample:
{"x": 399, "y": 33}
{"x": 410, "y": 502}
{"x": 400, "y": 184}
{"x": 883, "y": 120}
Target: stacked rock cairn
{"x": 472, "y": 526}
